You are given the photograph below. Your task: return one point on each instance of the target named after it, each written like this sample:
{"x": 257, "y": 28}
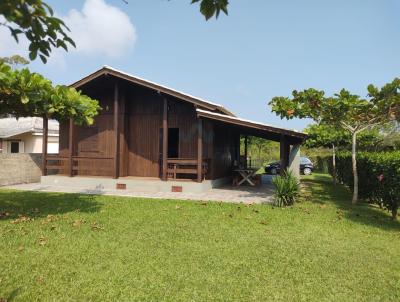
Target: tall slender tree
{"x": 345, "y": 111}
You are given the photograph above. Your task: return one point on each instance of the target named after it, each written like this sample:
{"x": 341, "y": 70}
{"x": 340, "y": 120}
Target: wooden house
{"x": 148, "y": 131}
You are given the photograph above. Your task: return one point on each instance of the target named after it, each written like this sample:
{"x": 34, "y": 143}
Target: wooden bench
{"x": 184, "y": 166}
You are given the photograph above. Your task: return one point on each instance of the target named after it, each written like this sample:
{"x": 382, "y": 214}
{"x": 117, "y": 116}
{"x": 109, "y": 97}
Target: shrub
{"x": 379, "y": 177}
{"x": 286, "y": 189}
{"x": 321, "y": 163}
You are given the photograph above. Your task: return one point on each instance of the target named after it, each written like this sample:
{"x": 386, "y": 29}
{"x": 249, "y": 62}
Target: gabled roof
{"x": 11, "y": 126}
{"x": 214, "y": 111}
{"x": 250, "y": 124}
{"x": 106, "y": 70}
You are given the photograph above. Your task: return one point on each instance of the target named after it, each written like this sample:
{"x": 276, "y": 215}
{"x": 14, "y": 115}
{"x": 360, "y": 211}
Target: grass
{"x": 73, "y": 247}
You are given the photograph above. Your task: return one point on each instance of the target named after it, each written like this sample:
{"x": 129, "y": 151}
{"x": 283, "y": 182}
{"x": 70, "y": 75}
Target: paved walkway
{"x": 242, "y": 194}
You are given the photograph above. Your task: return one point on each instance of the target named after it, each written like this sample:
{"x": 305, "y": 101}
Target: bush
{"x": 286, "y": 189}
{"x": 379, "y": 177}
{"x": 321, "y": 163}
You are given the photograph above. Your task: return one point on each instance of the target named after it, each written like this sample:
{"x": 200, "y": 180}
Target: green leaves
{"x": 379, "y": 177}
{"x": 286, "y": 189}
{"x": 343, "y": 109}
{"x": 209, "y": 8}
{"x": 320, "y": 135}
{"x": 34, "y": 19}
{"x": 23, "y": 93}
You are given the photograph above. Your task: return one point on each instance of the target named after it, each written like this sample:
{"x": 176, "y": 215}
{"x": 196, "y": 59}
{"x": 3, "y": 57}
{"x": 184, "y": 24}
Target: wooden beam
{"x": 116, "y": 130}
{"x": 245, "y": 149}
{"x": 199, "y": 150}
{"x": 71, "y": 146}
{"x": 165, "y": 141}
{"x": 44, "y": 145}
{"x": 284, "y": 154}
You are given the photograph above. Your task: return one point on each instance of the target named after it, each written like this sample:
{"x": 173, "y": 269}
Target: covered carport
{"x": 290, "y": 140}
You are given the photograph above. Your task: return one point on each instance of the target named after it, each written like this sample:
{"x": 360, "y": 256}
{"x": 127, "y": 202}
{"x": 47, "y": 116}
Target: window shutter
{"x": 21, "y": 147}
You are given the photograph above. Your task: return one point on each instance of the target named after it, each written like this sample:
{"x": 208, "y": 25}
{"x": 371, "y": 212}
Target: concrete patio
{"x": 243, "y": 194}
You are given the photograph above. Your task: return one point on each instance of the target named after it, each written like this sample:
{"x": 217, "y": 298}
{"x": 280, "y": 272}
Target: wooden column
{"x": 116, "y": 131}
{"x": 245, "y": 149}
{"x": 44, "y": 145}
{"x": 199, "y": 150}
{"x": 165, "y": 141}
{"x": 284, "y": 154}
{"x": 71, "y": 147}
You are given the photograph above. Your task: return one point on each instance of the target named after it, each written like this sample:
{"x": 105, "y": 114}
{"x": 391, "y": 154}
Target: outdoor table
{"x": 247, "y": 175}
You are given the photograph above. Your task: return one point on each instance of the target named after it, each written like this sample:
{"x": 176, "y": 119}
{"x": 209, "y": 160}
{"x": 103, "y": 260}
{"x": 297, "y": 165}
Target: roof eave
{"x": 257, "y": 126}
{"x": 108, "y": 71}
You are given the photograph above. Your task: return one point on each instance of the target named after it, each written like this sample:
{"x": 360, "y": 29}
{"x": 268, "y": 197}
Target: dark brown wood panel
{"x": 224, "y": 153}
{"x": 144, "y": 123}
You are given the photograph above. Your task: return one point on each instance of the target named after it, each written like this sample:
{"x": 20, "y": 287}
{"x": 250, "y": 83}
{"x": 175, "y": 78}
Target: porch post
{"x": 284, "y": 154}
{"x": 245, "y": 149}
{"x": 165, "y": 141}
{"x": 294, "y": 160}
{"x": 44, "y": 145}
{"x": 70, "y": 147}
{"x": 199, "y": 150}
{"x": 116, "y": 131}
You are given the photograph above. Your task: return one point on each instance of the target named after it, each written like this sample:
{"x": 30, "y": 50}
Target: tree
{"x": 209, "y": 8}
{"x": 320, "y": 135}
{"x": 35, "y": 20}
{"x": 14, "y": 60}
{"x": 23, "y": 93}
{"x": 344, "y": 110}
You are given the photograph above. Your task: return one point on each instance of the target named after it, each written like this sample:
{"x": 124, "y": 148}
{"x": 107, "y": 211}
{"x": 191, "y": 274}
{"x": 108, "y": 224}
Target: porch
{"x": 155, "y": 188}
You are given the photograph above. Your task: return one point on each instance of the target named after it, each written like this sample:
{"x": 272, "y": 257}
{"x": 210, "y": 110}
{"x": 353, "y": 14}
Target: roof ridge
{"x": 106, "y": 68}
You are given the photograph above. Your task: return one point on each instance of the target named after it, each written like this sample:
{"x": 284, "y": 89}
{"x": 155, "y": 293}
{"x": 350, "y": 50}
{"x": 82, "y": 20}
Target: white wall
{"x": 31, "y": 143}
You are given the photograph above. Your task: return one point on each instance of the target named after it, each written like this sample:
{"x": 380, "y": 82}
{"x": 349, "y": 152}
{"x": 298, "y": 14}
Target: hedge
{"x": 379, "y": 177}
{"x": 321, "y": 163}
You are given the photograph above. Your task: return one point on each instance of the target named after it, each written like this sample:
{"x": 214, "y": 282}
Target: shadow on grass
{"x": 323, "y": 191}
{"x": 38, "y": 204}
{"x": 11, "y": 296}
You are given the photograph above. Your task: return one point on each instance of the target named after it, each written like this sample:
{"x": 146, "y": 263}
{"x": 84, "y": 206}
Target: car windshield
{"x": 305, "y": 160}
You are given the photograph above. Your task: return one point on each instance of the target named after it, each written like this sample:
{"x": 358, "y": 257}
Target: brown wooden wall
{"x": 226, "y": 150}
{"x": 140, "y": 122}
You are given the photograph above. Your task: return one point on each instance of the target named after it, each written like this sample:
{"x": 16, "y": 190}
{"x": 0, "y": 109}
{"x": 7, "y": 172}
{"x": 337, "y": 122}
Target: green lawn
{"x": 72, "y": 247}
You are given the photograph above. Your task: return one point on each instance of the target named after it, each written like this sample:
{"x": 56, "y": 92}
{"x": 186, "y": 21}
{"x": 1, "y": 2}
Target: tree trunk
{"x": 394, "y": 213}
{"x": 354, "y": 163}
{"x": 334, "y": 164}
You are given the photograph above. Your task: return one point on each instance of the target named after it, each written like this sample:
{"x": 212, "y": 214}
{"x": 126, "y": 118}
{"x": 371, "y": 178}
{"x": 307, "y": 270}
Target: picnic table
{"x": 246, "y": 175}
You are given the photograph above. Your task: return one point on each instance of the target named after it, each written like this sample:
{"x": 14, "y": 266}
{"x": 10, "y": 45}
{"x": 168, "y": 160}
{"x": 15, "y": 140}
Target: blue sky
{"x": 263, "y": 49}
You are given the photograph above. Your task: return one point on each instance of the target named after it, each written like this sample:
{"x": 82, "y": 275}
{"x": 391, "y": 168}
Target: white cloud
{"x": 98, "y": 29}
{"x": 101, "y": 29}
{"x": 8, "y": 45}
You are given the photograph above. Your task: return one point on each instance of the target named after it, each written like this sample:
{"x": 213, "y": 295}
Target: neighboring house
{"x": 25, "y": 135}
{"x": 149, "y": 131}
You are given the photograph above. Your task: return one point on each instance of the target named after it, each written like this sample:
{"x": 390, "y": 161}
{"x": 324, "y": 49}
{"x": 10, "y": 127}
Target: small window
{"x": 173, "y": 142}
{"x": 14, "y": 147}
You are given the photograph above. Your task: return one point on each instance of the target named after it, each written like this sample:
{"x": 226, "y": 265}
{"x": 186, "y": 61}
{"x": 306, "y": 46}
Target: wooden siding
{"x": 225, "y": 150}
{"x": 144, "y": 111}
{"x": 140, "y": 121}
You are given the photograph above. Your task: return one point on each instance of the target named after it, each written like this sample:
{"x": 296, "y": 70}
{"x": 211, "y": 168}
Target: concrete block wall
{"x": 20, "y": 168}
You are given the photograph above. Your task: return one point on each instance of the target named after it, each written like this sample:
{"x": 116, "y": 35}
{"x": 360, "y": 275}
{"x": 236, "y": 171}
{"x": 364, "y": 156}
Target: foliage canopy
{"x": 23, "y": 93}
{"x": 209, "y": 8}
{"x": 35, "y": 20}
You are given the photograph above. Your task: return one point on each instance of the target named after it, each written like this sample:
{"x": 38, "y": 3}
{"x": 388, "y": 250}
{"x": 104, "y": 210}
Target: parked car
{"x": 306, "y": 167}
